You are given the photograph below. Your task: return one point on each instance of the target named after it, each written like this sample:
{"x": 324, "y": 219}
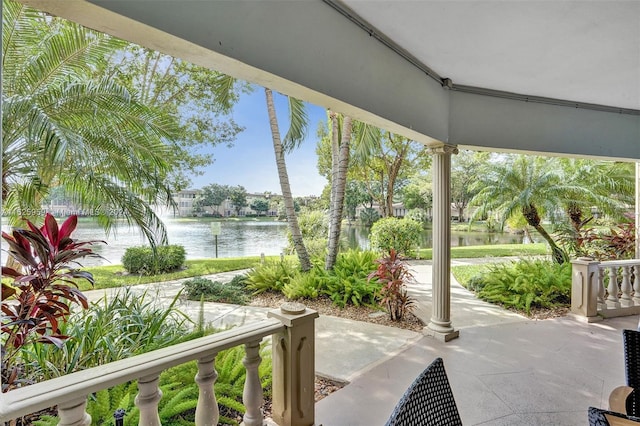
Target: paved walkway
{"x": 504, "y": 369}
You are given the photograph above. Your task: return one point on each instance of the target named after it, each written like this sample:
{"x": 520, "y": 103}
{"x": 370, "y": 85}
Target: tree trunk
{"x": 530, "y": 213}
{"x": 338, "y": 190}
{"x": 292, "y": 219}
{"x": 335, "y": 153}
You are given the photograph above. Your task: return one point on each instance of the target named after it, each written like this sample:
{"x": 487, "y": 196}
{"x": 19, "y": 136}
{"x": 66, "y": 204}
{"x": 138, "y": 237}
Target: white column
{"x": 147, "y": 400}
{"x": 440, "y": 324}
{"x": 73, "y": 413}
{"x": 207, "y": 412}
{"x": 252, "y": 396}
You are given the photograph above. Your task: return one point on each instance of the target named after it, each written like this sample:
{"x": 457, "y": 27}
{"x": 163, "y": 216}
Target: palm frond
{"x": 298, "y": 125}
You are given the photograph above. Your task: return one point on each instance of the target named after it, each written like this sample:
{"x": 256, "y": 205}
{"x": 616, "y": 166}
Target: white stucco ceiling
{"x": 584, "y": 51}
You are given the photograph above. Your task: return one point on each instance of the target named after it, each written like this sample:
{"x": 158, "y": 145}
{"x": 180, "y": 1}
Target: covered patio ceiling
{"x": 559, "y": 77}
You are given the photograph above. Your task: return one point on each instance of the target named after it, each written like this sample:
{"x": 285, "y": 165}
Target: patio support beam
{"x": 440, "y": 324}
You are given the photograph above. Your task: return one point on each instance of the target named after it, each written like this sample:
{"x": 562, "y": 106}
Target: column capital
{"x": 443, "y": 149}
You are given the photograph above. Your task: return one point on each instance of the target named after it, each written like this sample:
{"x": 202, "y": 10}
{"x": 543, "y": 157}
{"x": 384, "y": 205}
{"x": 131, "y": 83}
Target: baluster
{"x": 600, "y": 281}
{"x": 147, "y": 400}
{"x": 252, "y": 396}
{"x": 636, "y": 284}
{"x": 612, "y": 289}
{"x": 207, "y": 413}
{"x": 73, "y": 413}
{"x": 625, "y": 287}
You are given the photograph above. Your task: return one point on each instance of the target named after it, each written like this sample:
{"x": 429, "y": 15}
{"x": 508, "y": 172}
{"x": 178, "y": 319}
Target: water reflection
{"x": 243, "y": 238}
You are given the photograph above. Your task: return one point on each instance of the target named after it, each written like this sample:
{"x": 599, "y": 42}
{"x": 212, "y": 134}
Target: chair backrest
{"x": 599, "y": 417}
{"x": 428, "y": 401}
{"x": 631, "y": 340}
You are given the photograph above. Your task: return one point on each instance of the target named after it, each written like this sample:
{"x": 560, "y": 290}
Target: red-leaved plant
{"x": 43, "y": 289}
{"x": 393, "y": 273}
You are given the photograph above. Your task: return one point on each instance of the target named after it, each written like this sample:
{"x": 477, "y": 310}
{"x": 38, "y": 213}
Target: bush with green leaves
{"x": 314, "y": 226}
{"x": 235, "y": 291}
{"x": 306, "y": 285}
{"x": 271, "y": 276}
{"x": 401, "y": 235}
{"x": 119, "y": 327}
{"x": 143, "y": 260}
{"x": 526, "y": 284}
{"x": 348, "y": 282}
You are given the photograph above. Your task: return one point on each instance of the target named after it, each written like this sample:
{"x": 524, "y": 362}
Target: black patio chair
{"x": 599, "y": 417}
{"x": 428, "y": 401}
{"x": 631, "y": 340}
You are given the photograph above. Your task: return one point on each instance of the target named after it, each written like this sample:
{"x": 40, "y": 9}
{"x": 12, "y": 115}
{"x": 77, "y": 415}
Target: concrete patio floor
{"x": 504, "y": 369}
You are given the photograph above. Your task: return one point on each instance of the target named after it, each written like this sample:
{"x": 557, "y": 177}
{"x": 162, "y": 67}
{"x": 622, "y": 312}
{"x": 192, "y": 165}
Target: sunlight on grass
{"x": 495, "y": 250}
{"x": 115, "y": 275}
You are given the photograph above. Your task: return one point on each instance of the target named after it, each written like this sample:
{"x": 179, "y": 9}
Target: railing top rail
{"x": 27, "y": 400}
{"x": 616, "y": 263}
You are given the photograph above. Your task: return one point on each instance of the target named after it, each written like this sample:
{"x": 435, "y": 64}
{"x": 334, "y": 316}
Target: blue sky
{"x": 251, "y": 162}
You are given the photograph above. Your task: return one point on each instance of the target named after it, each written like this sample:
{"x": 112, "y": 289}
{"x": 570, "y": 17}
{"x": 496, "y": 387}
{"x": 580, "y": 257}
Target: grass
{"x": 113, "y": 275}
{"x": 463, "y": 273}
{"x": 496, "y": 250}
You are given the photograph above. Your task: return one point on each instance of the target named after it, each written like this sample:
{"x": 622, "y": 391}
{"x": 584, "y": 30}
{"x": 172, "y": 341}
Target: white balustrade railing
{"x": 605, "y": 289}
{"x": 292, "y": 328}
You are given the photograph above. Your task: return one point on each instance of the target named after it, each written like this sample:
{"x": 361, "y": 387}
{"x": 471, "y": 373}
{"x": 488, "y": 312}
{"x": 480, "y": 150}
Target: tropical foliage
{"x": 401, "y": 235}
{"x": 525, "y": 284}
{"x": 66, "y": 123}
{"x": 153, "y": 260}
{"x": 235, "y": 291}
{"x": 393, "y": 275}
{"x": 38, "y": 303}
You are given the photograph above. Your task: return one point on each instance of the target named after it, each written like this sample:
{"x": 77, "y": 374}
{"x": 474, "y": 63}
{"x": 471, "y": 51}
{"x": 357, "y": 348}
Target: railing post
{"x": 149, "y": 395}
{"x": 612, "y": 289}
{"x": 584, "y": 287}
{"x": 636, "y": 284}
{"x": 252, "y": 396}
{"x": 73, "y": 413}
{"x": 207, "y": 413}
{"x": 625, "y": 287}
{"x": 294, "y": 366}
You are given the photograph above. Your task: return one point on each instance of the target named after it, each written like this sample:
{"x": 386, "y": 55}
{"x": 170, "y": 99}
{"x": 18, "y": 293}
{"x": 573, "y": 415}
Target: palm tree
{"x": 339, "y": 165}
{"x": 608, "y": 186}
{"x": 66, "y": 126}
{"x": 525, "y": 185}
{"x": 293, "y": 138}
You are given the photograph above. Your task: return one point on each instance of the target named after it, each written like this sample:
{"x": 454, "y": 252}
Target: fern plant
{"x": 527, "y": 284}
{"x": 271, "y": 276}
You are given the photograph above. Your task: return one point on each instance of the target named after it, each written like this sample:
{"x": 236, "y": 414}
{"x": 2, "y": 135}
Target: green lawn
{"x": 114, "y": 275}
{"x": 496, "y": 250}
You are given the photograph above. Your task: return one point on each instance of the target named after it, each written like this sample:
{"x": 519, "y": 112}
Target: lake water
{"x": 241, "y": 238}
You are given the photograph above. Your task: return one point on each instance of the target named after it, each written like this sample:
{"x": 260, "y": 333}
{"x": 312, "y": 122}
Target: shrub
{"x": 393, "y": 274}
{"x": 126, "y": 324}
{"x": 348, "y": 282}
{"x": 369, "y": 216}
{"x": 271, "y": 276}
{"x": 314, "y": 228}
{"x": 401, "y": 235}
{"x": 526, "y": 284}
{"x": 234, "y": 291}
{"x": 44, "y": 290}
{"x": 143, "y": 260}
{"x": 305, "y": 285}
